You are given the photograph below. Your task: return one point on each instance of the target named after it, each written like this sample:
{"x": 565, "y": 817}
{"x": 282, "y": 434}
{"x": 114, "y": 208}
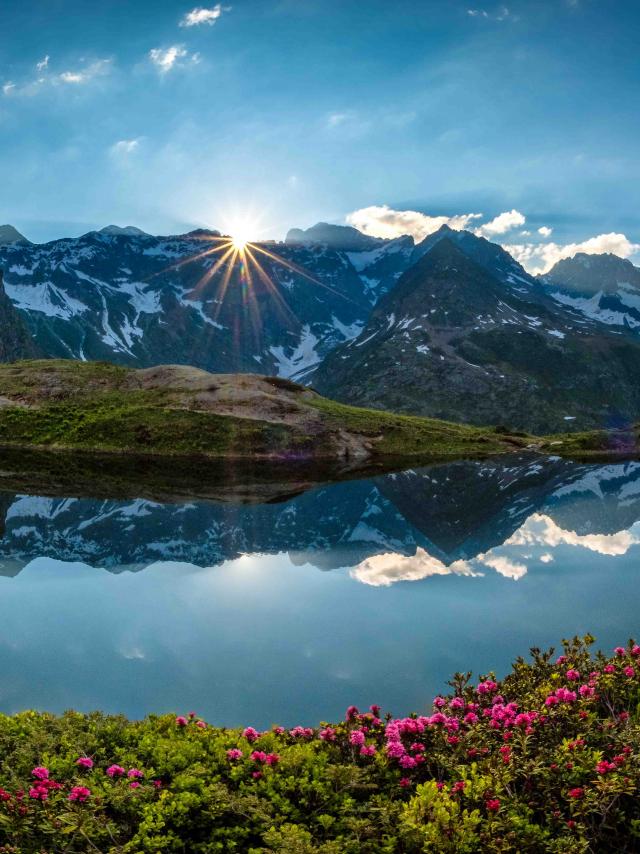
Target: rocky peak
{"x": 9, "y": 234}
{"x": 589, "y": 274}
{"x": 341, "y": 237}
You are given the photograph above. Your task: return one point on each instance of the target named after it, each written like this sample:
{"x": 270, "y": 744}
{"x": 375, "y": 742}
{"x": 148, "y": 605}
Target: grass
{"x": 89, "y": 406}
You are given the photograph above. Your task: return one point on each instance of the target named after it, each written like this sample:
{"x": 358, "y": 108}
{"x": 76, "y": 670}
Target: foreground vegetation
{"x": 184, "y": 411}
{"x": 548, "y": 760}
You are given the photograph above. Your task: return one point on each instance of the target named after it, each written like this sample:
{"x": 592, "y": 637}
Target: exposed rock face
{"x": 455, "y": 341}
{"x": 126, "y": 296}
{"x": 600, "y": 288}
{"x": 10, "y": 235}
{"x": 15, "y": 340}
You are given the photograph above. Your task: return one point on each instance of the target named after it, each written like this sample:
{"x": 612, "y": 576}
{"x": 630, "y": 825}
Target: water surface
{"x": 373, "y": 590}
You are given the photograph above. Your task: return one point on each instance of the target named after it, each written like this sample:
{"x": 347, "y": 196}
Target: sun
{"x": 239, "y": 242}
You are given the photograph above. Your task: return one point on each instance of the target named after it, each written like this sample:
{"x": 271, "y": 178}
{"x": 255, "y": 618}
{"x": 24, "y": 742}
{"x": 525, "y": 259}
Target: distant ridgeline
{"x": 452, "y": 327}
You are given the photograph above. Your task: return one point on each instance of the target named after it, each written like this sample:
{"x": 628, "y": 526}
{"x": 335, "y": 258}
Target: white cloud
{"x": 383, "y": 221}
{"x": 540, "y": 257}
{"x": 503, "y": 565}
{"x": 540, "y": 529}
{"x": 84, "y": 75}
{"x": 167, "y": 58}
{"x": 75, "y": 77}
{"x": 503, "y": 13}
{"x": 545, "y": 231}
{"x": 502, "y": 223}
{"x": 201, "y": 15}
{"x": 547, "y": 557}
{"x": 124, "y": 147}
{"x": 386, "y": 569}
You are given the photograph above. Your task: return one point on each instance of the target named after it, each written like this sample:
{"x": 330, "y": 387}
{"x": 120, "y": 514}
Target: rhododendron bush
{"x": 547, "y": 759}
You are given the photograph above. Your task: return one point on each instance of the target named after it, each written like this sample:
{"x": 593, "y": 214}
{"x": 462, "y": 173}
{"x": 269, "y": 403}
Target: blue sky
{"x": 170, "y": 116}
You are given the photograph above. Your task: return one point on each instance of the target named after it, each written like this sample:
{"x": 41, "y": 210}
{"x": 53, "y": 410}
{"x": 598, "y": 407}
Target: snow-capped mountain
{"x": 467, "y": 335}
{"x": 600, "y": 288}
{"x": 129, "y": 297}
{"x": 453, "y": 327}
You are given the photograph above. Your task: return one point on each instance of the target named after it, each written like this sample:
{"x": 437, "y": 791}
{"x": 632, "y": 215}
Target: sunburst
{"x": 236, "y": 257}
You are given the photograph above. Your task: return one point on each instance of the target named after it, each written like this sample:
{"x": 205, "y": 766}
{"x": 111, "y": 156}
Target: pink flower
{"x": 115, "y": 771}
{"x": 272, "y": 759}
{"x": 181, "y": 720}
{"x": 493, "y": 805}
{"x": 301, "y": 732}
{"x": 439, "y": 702}
{"x": 356, "y": 737}
{"x": 629, "y": 671}
{"x": 251, "y": 734}
{"x": 234, "y": 754}
{"x": 279, "y": 730}
{"x": 258, "y": 756}
{"x": 619, "y": 651}
{"x": 351, "y": 713}
{"x": 471, "y": 718}
{"x": 157, "y": 784}
{"x": 135, "y": 774}
{"x": 84, "y": 762}
{"x": 41, "y": 773}
{"x": 407, "y": 761}
{"x": 80, "y": 794}
{"x": 375, "y": 710}
{"x": 134, "y": 784}
{"x": 573, "y": 675}
{"x": 609, "y": 668}
{"x": 635, "y": 650}
{"x": 586, "y": 691}
{"x": 457, "y": 703}
{"x": 368, "y": 750}
{"x": 201, "y": 725}
{"x": 256, "y": 775}
{"x": 561, "y": 659}
{"x": 576, "y": 793}
{"x": 39, "y": 792}
{"x": 327, "y": 734}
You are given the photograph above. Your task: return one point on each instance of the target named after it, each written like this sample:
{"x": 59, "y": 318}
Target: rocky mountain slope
{"x": 15, "y": 339}
{"x": 138, "y": 300}
{"x": 365, "y": 320}
{"x": 465, "y": 337}
{"x": 601, "y": 288}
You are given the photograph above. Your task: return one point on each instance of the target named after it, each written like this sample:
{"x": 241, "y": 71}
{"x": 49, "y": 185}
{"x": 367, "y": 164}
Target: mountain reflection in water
{"x": 231, "y": 616}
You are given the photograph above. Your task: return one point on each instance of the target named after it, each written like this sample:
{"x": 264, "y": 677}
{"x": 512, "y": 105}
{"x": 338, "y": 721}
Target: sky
{"x": 392, "y": 116}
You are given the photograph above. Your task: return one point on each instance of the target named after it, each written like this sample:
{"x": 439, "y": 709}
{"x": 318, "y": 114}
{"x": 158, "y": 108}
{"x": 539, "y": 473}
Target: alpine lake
{"x": 258, "y": 599}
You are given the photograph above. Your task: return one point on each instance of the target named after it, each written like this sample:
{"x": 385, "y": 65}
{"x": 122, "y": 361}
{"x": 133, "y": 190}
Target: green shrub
{"x": 547, "y": 760}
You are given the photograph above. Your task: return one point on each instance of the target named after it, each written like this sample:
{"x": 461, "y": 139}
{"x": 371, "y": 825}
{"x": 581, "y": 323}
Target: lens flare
{"x": 237, "y": 264}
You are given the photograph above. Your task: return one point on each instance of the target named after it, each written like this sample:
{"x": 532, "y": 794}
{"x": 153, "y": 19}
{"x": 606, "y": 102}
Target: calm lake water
{"x": 364, "y": 591}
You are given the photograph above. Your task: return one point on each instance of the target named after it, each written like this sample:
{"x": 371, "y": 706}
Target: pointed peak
{"x": 9, "y": 234}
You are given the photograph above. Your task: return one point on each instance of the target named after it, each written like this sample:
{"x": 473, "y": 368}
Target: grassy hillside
{"x": 545, "y": 761}
{"x": 173, "y": 410}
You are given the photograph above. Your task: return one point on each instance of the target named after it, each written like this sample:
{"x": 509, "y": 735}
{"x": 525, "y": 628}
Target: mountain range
{"x": 452, "y": 327}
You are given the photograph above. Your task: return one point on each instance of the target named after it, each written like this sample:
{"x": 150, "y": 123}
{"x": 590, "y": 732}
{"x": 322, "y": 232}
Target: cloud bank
{"x": 536, "y": 257}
